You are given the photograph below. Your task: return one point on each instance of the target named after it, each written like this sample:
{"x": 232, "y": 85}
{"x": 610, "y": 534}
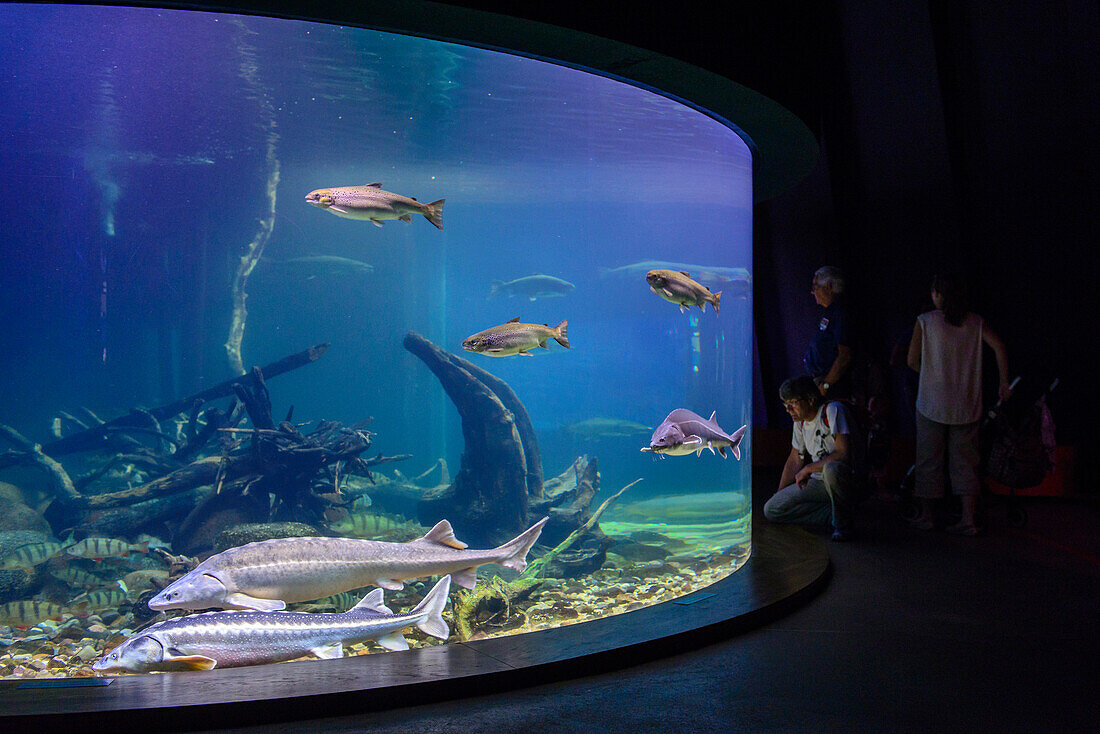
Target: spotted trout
{"x": 235, "y": 639}
{"x": 678, "y": 287}
{"x": 515, "y": 338}
{"x": 371, "y": 204}
{"x": 269, "y": 574}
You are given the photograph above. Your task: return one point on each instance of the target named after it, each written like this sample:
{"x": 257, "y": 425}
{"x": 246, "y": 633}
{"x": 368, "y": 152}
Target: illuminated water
{"x": 138, "y": 148}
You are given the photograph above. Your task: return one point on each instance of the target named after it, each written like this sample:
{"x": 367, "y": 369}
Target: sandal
{"x": 921, "y": 523}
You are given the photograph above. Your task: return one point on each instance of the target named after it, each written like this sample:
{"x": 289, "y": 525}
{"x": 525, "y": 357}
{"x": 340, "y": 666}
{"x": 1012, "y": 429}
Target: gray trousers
{"x": 819, "y": 501}
{"x": 958, "y": 445}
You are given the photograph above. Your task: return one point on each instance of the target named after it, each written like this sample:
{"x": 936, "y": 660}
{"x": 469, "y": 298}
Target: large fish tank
{"x": 157, "y": 244}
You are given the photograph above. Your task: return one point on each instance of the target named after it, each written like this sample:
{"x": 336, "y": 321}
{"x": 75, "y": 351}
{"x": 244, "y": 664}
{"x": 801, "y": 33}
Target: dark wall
{"x": 955, "y": 134}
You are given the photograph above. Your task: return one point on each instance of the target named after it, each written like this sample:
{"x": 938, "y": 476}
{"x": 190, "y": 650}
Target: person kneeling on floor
{"x": 819, "y": 481}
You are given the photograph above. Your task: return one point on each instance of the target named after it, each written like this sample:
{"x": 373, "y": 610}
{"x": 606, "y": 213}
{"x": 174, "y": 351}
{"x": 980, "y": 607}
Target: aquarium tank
{"x": 461, "y": 339}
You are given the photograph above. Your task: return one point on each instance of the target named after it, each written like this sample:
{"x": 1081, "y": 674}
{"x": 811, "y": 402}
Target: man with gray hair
{"x": 829, "y": 356}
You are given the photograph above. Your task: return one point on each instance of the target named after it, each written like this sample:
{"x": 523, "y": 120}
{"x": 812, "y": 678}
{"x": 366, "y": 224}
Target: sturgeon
{"x": 371, "y": 203}
{"x": 683, "y": 433}
{"x": 234, "y": 639}
{"x": 269, "y": 574}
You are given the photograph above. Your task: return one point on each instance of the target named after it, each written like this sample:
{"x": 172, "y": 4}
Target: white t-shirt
{"x": 817, "y": 437}
{"x": 950, "y": 388}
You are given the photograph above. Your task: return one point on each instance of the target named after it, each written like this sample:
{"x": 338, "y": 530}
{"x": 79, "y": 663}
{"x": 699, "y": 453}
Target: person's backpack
{"x": 858, "y": 437}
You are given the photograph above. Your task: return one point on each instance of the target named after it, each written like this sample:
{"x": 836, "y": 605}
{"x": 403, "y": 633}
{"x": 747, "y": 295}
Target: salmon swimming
{"x": 371, "y": 204}
{"x": 678, "y": 287}
{"x": 515, "y": 338}
{"x": 234, "y": 639}
{"x": 268, "y": 574}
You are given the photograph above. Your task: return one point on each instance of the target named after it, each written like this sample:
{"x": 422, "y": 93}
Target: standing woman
{"x": 946, "y": 349}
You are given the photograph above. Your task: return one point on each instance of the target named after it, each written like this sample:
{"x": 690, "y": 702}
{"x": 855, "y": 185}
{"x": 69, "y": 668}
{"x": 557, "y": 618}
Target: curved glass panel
{"x": 159, "y": 242}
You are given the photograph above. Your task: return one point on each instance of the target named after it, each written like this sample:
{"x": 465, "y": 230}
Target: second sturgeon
{"x": 268, "y": 574}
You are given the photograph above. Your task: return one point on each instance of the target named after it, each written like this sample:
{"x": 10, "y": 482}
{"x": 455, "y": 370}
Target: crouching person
{"x": 819, "y": 481}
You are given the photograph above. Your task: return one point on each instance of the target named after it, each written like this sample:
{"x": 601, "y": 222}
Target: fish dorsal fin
{"x": 374, "y": 601}
{"x": 713, "y": 416}
{"x": 443, "y": 534}
{"x": 514, "y": 321}
{"x": 376, "y": 185}
{"x": 684, "y": 272}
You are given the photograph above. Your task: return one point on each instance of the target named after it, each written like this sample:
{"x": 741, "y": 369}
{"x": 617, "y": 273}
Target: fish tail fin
{"x": 735, "y": 439}
{"x": 559, "y": 334}
{"x": 494, "y": 288}
{"x": 715, "y": 298}
{"x": 513, "y": 554}
{"x": 432, "y": 607}
{"x": 434, "y": 214}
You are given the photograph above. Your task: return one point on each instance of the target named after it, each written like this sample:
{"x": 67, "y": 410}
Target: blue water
{"x": 134, "y": 160}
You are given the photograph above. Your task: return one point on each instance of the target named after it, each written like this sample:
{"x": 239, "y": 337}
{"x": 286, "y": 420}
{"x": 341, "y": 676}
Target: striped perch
{"x": 26, "y": 557}
{"x": 98, "y": 599}
{"x": 27, "y": 613}
{"x": 97, "y": 548}
{"x": 77, "y": 577}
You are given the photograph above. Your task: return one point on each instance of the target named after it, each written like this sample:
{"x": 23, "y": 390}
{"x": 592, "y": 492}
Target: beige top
{"x": 950, "y": 389}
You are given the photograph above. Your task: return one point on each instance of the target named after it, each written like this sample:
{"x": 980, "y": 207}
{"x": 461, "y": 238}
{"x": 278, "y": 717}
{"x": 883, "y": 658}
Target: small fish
{"x": 145, "y": 578}
{"x": 531, "y": 287}
{"x": 366, "y": 524}
{"x": 268, "y": 574}
{"x": 679, "y": 288}
{"x": 98, "y": 599}
{"x": 76, "y": 577}
{"x": 371, "y": 203}
{"x": 26, "y": 557}
{"x": 683, "y": 433}
{"x": 27, "y": 613}
{"x": 324, "y": 265}
{"x": 234, "y": 639}
{"x": 515, "y": 338}
{"x": 97, "y": 548}
{"x": 605, "y": 428}
{"x": 342, "y": 602}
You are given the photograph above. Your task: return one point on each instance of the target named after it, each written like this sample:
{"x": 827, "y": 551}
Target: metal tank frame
{"x": 787, "y": 567}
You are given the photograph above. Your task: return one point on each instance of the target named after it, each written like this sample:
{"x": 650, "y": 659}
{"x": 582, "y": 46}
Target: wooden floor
{"x": 787, "y": 567}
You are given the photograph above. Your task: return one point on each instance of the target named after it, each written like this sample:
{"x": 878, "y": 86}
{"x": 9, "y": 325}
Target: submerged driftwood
{"x": 488, "y": 499}
{"x": 263, "y": 473}
{"x": 98, "y": 436}
{"x": 567, "y": 499}
{"x": 490, "y": 605}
